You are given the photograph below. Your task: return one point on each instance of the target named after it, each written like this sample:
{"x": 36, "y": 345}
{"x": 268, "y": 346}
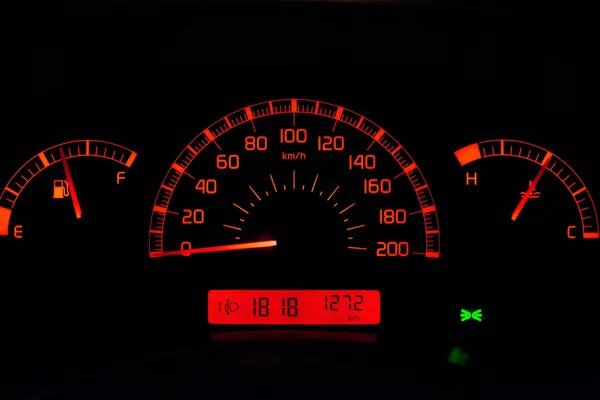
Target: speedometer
{"x": 295, "y": 181}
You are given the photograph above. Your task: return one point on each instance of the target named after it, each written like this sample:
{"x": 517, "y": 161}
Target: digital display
{"x": 294, "y": 307}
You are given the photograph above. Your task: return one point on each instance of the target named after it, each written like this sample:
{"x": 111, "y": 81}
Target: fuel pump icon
{"x": 61, "y": 189}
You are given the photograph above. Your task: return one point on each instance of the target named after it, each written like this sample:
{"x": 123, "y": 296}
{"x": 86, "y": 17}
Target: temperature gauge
{"x": 531, "y": 187}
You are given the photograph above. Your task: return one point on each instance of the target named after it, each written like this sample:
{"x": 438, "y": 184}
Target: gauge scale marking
{"x": 547, "y": 161}
{"x": 294, "y": 109}
{"x": 56, "y": 154}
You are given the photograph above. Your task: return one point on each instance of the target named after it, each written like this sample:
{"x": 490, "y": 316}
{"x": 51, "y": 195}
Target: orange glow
{"x": 215, "y": 249}
{"x": 131, "y": 159}
{"x": 467, "y": 154}
{"x": 4, "y": 221}
{"x": 74, "y": 197}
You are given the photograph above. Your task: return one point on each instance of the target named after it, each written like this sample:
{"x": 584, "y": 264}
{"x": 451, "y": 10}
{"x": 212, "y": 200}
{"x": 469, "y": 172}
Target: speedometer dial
{"x": 294, "y": 178}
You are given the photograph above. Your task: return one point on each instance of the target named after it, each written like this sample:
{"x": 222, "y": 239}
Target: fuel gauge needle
{"x": 76, "y": 205}
{"x": 215, "y": 249}
{"x": 531, "y": 187}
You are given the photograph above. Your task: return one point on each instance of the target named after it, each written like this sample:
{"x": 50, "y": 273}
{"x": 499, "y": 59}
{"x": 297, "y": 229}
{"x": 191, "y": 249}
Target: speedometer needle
{"x": 76, "y": 205}
{"x": 215, "y": 249}
{"x": 532, "y": 186}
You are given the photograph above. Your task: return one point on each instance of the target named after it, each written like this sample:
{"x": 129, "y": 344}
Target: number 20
{"x": 193, "y": 217}
{"x": 392, "y": 249}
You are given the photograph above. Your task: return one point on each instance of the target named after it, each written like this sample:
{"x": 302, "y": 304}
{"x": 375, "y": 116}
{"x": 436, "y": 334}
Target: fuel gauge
{"x": 63, "y": 191}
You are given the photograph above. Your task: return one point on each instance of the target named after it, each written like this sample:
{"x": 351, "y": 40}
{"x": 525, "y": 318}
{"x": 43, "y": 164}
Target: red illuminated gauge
{"x": 291, "y": 180}
{"x": 68, "y": 182}
{"x": 533, "y": 192}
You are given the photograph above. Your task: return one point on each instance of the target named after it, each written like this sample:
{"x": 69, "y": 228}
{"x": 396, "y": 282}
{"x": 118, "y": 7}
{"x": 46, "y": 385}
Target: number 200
{"x": 392, "y": 249}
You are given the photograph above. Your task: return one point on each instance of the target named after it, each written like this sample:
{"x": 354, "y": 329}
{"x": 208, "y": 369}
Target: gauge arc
{"x": 536, "y": 154}
{"x": 295, "y": 106}
{"x": 51, "y": 156}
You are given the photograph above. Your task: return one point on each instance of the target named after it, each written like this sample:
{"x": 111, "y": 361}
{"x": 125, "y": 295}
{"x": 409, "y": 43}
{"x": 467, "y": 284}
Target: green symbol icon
{"x": 467, "y": 315}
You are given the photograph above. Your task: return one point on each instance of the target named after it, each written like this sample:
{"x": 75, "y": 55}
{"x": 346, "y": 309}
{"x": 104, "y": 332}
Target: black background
{"x": 437, "y": 76}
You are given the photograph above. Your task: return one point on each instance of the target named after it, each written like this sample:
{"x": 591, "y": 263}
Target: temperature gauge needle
{"x": 214, "y": 249}
{"x": 76, "y": 205}
{"x": 531, "y": 187}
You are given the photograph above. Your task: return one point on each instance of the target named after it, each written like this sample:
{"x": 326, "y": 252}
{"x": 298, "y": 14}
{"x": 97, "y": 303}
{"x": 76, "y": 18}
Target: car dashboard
{"x": 282, "y": 199}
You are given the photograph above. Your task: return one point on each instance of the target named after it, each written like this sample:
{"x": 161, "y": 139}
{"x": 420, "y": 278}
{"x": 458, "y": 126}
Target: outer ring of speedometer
{"x": 294, "y": 107}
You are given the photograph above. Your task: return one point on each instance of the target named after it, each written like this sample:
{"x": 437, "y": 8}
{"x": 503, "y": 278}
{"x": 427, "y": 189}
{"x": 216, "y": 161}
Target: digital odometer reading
{"x": 294, "y": 307}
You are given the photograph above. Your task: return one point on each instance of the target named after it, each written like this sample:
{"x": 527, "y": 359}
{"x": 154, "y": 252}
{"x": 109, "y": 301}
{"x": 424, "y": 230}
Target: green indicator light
{"x": 467, "y": 315}
{"x": 458, "y": 356}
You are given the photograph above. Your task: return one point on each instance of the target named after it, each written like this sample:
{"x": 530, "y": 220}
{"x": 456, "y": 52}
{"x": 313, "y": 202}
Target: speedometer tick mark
{"x": 256, "y": 194}
{"x": 314, "y": 183}
{"x": 401, "y": 160}
{"x": 357, "y": 248}
{"x": 332, "y": 193}
{"x": 399, "y": 175}
{"x": 294, "y": 107}
{"x": 273, "y": 182}
{"x": 232, "y": 227}
{"x": 347, "y": 208}
{"x": 355, "y": 227}
{"x": 241, "y": 208}
{"x": 172, "y": 212}
{"x": 415, "y": 212}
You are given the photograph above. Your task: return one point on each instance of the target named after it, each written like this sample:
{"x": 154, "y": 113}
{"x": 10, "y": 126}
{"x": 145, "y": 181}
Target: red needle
{"x": 532, "y": 186}
{"x": 214, "y": 249}
{"x": 76, "y": 205}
